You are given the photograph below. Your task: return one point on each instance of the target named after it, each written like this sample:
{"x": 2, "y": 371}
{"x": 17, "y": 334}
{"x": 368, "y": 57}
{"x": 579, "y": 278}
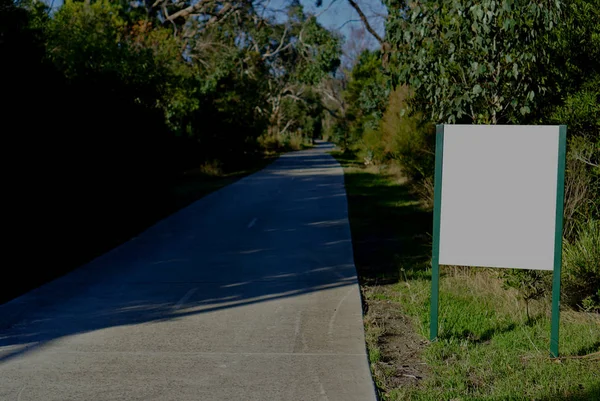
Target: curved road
{"x": 248, "y": 294}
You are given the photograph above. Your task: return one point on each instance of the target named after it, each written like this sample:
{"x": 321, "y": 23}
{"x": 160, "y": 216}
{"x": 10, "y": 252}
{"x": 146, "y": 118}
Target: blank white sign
{"x": 498, "y": 202}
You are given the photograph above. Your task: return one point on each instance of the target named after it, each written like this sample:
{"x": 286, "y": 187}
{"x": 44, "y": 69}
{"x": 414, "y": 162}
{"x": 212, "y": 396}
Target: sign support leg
{"x": 560, "y": 194}
{"x": 437, "y": 208}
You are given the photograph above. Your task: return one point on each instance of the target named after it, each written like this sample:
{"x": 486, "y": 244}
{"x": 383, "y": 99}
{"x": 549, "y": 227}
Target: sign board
{"x": 499, "y": 201}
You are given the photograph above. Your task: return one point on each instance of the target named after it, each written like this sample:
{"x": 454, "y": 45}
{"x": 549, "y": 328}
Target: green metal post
{"x": 560, "y": 194}
{"x": 437, "y": 208}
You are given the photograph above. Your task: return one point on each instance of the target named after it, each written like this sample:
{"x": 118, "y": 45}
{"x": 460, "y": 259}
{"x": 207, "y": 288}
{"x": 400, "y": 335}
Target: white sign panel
{"x": 498, "y": 199}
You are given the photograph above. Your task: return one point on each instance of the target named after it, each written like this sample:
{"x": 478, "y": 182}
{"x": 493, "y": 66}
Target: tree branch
{"x": 290, "y": 122}
{"x": 192, "y": 9}
{"x": 281, "y": 42}
{"x": 365, "y": 21}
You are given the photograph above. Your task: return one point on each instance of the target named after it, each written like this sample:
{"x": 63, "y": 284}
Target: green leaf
{"x": 415, "y": 13}
{"x": 531, "y": 95}
{"x": 477, "y": 89}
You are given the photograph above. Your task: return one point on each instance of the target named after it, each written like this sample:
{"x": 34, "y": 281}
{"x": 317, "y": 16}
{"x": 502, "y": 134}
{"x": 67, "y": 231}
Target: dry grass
{"x": 213, "y": 168}
{"x": 272, "y": 143}
{"x": 295, "y": 141}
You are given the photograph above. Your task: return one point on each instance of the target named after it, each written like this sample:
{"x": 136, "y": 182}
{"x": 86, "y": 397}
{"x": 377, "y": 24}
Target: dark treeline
{"x": 106, "y": 103}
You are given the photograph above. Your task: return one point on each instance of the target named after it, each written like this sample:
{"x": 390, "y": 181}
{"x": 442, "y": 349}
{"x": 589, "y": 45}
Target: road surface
{"x": 248, "y": 294}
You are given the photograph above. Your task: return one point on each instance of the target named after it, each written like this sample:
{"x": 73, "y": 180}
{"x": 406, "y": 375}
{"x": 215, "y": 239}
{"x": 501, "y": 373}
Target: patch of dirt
{"x": 401, "y": 347}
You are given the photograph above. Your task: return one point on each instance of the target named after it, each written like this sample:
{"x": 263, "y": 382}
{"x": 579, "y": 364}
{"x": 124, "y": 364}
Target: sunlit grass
{"x": 487, "y": 348}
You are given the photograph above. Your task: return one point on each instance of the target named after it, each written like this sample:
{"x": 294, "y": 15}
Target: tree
{"x": 366, "y": 94}
{"x": 302, "y": 55}
{"x": 473, "y": 62}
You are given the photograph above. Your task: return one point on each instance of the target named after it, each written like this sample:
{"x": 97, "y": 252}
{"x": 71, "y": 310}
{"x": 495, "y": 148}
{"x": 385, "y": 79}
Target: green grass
{"x": 489, "y": 351}
{"x": 487, "y": 348}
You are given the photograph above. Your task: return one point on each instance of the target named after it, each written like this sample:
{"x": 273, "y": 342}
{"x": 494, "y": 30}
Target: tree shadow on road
{"x": 212, "y": 255}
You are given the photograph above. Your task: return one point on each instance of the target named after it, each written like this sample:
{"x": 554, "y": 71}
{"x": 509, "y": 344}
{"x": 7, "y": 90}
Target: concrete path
{"x": 248, "y": 294}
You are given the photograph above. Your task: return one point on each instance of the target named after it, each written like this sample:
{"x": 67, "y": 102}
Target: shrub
{"x": 581, "y": 267}
{"x": 582, "y": 184}
{"x": 372, "y": 148}
{"x": 408, "y": 137}
{"x": 531, "y": 284}
{"x": 295, "y": 141}
{"x": 213, "y": 168}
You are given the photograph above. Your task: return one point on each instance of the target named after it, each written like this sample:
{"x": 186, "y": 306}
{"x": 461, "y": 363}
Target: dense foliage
{"x": 489, "y": 62}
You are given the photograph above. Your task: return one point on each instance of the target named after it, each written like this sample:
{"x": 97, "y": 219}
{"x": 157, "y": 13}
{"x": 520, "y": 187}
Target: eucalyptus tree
{"x": 472, "y": 61}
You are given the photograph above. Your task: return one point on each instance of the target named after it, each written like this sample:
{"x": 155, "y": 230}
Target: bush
{"x": 278, "y": 142}
{"x": 581, "y": 267}
{"x": 408, "y": 137}
{"x": 531, "y": 284}
{"x": 295, "y": 141}
{"x": 270, "y": 142}
{"x": 213, "y": 168}
{"x": 582, "y": 184}
{"x": 371, "y": 147}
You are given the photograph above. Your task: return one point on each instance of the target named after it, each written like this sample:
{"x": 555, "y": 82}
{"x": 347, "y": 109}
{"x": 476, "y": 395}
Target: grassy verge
{"x": 488, "y": 349}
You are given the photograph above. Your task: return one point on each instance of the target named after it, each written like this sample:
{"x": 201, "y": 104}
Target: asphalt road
{"x": 248, "y": 294}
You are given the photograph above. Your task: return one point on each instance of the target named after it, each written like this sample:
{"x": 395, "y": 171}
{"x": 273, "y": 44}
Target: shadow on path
{"x": 277, "y": 234}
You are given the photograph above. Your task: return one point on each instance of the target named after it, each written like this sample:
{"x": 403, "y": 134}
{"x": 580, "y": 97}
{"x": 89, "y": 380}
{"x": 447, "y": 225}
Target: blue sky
{"x": 338, "y": 15}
